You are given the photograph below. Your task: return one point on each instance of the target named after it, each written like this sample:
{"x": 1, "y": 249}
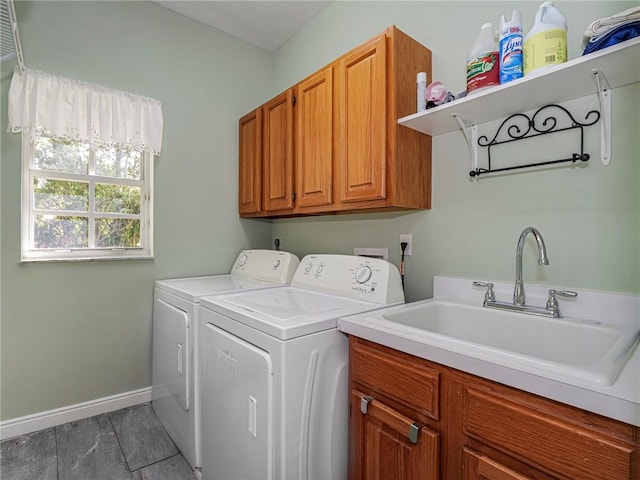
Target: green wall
{"x": 74, "y": 332}
{"x": 589, "y": 216}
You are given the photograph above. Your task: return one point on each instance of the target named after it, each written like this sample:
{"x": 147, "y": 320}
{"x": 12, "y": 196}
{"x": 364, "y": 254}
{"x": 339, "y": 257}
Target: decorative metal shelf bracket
{"x": 520, "y": 127}
{"x": 470, "y": 133}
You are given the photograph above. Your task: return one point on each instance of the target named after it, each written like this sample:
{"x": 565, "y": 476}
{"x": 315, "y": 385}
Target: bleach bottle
{"x": 483, "y": 70}
{"x": 510, "y": 37}
{"x": 546, "y": 44}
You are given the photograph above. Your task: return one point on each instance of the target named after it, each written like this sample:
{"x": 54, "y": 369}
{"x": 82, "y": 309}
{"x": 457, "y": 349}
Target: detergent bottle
{"x": 510, "y": 37}
{"x": 546, "y": 44}
{"x": 483, "y": 65}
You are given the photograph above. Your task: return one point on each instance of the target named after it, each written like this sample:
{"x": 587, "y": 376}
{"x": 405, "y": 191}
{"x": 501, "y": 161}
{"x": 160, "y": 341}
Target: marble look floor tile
{"x": 174, "y": 468}
{"x": 88, "y": 449}
{"x": 30, "y": 457}
{"x": 141, "y": 435}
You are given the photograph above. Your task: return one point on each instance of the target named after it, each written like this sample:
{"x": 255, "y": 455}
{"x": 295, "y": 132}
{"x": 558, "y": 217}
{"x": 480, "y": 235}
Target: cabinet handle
{"x": 387, "y": 415}
{"x": 364, "y": 404}
{"x": 414, "y": 430}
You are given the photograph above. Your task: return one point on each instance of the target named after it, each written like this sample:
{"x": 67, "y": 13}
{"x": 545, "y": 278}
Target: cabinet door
{"x": 387, "y": 445}
{"x": 314, "y": 140}
{"x": 277, "y": 144}
{"x": 479, "y": 467}
{"x": 250, "y": 162}
{"x": 362, "y": 124}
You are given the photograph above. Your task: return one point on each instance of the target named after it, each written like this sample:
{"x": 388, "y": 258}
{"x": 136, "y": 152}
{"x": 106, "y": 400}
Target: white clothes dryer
{"x": 274, "y": 370}
{"x": 175, "y": 382}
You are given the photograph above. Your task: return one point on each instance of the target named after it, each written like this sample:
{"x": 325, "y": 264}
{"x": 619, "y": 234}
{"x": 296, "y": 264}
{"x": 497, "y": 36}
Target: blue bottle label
{"x": 511, "y": 57}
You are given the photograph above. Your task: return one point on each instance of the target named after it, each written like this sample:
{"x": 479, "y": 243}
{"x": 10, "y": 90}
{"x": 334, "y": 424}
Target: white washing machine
{"x": 176, "y": 385}
{"x": 275, "y": 370}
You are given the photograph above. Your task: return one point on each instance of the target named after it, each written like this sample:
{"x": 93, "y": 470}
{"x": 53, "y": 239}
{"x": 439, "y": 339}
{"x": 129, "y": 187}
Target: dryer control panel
{"x": 350, "y": 276}
{"x": 268, "y": 265}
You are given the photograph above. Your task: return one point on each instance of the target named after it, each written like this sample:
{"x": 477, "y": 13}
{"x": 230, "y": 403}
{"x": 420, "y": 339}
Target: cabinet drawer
{"x": 401, "y": 377}
{"x": 551, "y": 443}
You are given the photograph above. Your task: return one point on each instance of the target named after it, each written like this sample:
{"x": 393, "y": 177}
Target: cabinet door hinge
{"x": 293, "y": 100}
{"x": 293, "y": 197}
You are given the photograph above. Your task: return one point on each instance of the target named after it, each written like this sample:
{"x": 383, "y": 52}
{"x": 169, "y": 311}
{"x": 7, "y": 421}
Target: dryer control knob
{"x": 319, "y": 269}
{"x": 363, "y": 274}
{"x": 308, "y": 268}
{"x": 242, "y": 259}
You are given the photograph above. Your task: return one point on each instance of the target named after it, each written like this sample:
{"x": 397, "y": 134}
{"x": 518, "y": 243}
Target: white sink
{"x": 561, "y": 348}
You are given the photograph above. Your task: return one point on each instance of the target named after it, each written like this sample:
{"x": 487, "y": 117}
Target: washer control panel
{"x": 350, "y": 276}
{"x": 268, "y": 265}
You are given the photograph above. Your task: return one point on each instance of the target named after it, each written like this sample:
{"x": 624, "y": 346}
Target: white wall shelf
{"x": 619, "y": 65}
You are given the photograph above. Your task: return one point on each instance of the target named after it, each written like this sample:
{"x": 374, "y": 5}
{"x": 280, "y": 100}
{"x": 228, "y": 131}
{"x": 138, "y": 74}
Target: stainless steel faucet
{"x": 552, "y": 309}
{"x": 518, "y": 292}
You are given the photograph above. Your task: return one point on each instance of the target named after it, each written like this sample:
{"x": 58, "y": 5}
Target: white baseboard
{"x": 51, "y": 418}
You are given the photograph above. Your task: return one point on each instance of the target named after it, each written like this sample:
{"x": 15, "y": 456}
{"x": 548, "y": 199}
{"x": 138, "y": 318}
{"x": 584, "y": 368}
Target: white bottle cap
{"x": 422, "y": 77}
{"x": 486, "y": 25}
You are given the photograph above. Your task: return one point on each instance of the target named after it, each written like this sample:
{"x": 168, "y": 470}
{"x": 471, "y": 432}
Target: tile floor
{"x": 128, "y": 444}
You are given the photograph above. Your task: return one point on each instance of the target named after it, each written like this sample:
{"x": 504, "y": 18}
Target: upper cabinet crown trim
{"x": 619, "y": 64}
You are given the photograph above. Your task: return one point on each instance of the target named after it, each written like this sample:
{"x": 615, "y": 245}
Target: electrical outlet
{"x": 277, "y": 243}
{"x": 406, "y": 237}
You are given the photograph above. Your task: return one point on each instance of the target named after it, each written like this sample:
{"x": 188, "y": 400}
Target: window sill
{"x": 85, "y": 259}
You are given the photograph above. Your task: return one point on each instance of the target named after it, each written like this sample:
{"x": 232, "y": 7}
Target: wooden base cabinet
{"x": 332, "y": 144}
{"x": 470, "y": 428}
{"x": 389, "y": 445}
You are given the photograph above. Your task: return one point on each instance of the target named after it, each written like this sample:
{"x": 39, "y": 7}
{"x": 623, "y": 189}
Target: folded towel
{"x": 614, "y": 36}
{"x": 600, "y": 27}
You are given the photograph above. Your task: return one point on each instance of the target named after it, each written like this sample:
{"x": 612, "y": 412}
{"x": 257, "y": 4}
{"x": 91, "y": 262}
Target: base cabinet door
{"x": 387, "y": 445}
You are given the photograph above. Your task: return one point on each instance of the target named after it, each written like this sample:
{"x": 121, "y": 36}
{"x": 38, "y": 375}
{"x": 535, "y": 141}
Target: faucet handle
{"x": 489, "y": 296}
{"x": 563, "y": 293}
{"x": 552, "y": 302}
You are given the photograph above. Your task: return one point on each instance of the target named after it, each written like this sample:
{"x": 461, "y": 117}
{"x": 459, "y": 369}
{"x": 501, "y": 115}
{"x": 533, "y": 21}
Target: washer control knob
{"x": 276, "y": 264}
{"x": 319, "y": 269}
{"x": 308, "y": 268}
{"x": 363, "y": 274}
{"x": 242, "y": 259}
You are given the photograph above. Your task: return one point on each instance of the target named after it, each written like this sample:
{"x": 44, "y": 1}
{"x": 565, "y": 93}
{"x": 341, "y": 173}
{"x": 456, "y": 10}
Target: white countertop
{"x": 620, "y": 401}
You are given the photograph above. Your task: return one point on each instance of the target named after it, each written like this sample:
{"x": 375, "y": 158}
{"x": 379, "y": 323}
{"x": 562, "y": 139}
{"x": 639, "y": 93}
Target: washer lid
{"x": 287, "y": 312}
{"x": 290, "y": 304}
{"x": 193, "y": 288}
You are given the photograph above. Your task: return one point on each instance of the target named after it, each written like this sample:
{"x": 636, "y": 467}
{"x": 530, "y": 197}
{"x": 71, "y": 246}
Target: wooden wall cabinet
{"x": 332, "y": 144}
{"x": 250, "y": 163}
{"x": 472, "y": 428}
{"x": 277, "y": 153}
{"x": 314, "y": 141}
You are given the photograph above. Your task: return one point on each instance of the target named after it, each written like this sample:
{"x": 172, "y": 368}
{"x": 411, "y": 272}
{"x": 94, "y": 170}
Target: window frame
{"x": 28, "y": 211}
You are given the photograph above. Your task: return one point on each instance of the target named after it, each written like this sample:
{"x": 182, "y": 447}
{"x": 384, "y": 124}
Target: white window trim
{"x": 84, "y": 254}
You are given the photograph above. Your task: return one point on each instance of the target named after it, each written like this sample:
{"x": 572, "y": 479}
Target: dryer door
{"x": 171, "y": 358}
{"x": 237, "y": 408}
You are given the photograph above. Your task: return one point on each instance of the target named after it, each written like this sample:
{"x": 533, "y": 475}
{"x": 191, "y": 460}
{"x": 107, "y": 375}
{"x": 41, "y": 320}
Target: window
{"x": 84, "y": 202}
{"x": 87, "y": 167}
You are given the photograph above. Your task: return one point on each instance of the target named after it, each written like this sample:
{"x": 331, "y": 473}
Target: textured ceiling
{"x": 267, "y": 24}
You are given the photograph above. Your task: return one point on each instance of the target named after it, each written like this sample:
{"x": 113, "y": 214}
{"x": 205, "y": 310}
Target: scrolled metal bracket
{"x": 520, "y": 126}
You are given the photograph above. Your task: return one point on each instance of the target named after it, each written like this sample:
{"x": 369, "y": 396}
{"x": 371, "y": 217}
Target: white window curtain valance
{"x": 73, "y": 110}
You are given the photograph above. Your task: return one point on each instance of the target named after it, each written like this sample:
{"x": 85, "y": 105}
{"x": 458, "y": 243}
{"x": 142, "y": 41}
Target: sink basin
{"x": 564, "y": 349}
